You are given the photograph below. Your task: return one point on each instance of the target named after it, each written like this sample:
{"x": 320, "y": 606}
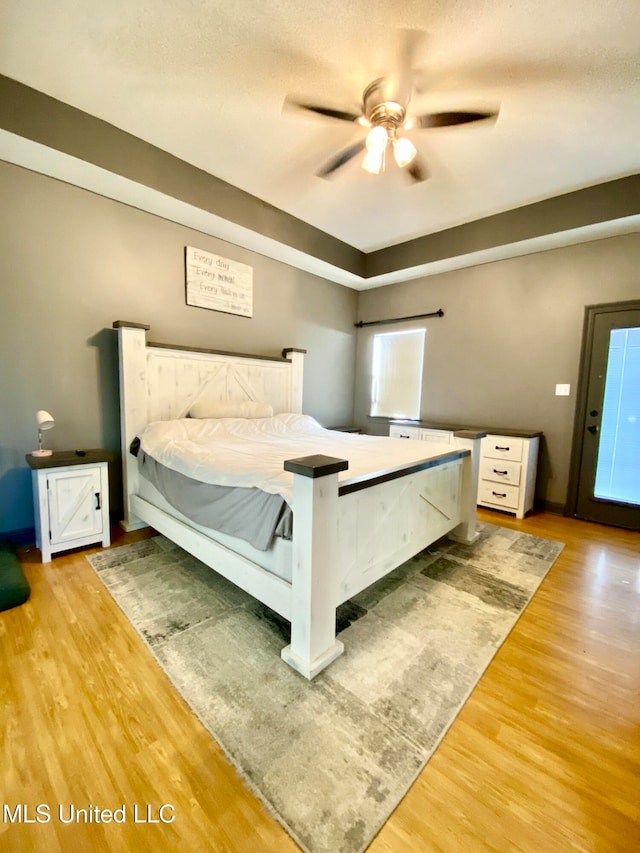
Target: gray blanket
{"x": 249, "y": 514}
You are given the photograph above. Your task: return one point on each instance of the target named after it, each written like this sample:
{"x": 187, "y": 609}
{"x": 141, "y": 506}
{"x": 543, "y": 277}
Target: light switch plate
{"x": 563, "y": 390}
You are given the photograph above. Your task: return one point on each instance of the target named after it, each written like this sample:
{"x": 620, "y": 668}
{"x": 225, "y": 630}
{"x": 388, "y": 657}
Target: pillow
{"x": 220, "y": 409}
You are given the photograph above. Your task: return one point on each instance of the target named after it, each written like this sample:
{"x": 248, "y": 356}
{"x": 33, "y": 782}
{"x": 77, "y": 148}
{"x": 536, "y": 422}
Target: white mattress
{"x": 276, "y": 559}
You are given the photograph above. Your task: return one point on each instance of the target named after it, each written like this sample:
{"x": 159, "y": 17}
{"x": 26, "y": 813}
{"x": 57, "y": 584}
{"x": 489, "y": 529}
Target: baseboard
{"x": 551, "y": 506}
{"x": 27, "y": 535}
{"x": 24, "y": 536}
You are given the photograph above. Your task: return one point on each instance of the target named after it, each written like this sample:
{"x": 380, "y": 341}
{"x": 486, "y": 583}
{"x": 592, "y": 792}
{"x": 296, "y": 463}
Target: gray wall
{"x": 72, "y": 262}
{"x": 33, "y": 115}
{"x": 512, "y": 330}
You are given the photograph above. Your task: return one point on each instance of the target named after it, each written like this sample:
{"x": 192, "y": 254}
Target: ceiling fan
{"x": 384, "y": 110}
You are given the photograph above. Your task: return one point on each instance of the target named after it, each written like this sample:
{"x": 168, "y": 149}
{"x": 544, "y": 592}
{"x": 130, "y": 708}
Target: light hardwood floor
{"x": 544, "y": 756}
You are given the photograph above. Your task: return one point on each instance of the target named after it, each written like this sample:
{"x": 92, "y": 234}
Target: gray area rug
{"x": 331, "y": 758}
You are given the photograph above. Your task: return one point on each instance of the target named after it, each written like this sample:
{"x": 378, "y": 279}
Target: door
{"x": 75, "y": 509}
{"x": 608, "y": 421}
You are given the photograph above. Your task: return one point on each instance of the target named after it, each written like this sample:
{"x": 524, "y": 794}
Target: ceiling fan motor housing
{"x": 380, "y": 111}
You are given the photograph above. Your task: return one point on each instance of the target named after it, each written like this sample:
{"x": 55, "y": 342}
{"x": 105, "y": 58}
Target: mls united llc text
{"x": 68, "y": 813}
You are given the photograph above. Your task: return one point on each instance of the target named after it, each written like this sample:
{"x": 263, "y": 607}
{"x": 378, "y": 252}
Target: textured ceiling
{"x": 205, "y": 80}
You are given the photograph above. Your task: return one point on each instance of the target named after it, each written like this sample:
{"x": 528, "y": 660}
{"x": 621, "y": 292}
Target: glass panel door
{"x": 608, "y": 457}
{"x": 618, "y": 468}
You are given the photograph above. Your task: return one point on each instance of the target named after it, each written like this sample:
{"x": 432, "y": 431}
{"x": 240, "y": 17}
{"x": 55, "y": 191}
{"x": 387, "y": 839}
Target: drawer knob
{"x": 495, "y": 471}
{"x": 502, "y": 448}
{"x": 499, "y": 494}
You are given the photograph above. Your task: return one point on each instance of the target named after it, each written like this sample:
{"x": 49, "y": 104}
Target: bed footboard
{"x": 348, "y": 536}
{"x": 386, "y": 524}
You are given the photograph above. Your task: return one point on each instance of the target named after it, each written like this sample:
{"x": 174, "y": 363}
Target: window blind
{"x": 397, "y": 374}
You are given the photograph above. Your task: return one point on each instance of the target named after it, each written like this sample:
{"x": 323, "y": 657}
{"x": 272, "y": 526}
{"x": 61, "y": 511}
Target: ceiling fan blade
{"x": 417, "y": 169}
{"x": 342, "y": 115}
{"x": 447, "y": 119}
{"x": 340, "y": 159}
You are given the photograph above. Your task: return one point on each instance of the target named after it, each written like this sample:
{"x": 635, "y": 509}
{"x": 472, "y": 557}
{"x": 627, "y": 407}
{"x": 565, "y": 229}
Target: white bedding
{"x": 251, "y": 453}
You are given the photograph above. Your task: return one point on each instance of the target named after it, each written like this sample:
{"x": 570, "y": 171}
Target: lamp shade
{"x": 45, "y": 420}
{"x": 404, "y": 151}
{"x": 373, "y": 162}
{"x": 377, "y": 139}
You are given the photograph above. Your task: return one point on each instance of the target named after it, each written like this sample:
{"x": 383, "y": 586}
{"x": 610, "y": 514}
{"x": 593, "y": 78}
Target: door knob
{"x": 593, "y": 428}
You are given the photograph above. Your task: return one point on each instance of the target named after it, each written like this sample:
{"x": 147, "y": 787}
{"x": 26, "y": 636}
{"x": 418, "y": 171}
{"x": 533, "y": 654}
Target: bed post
{"x": 133, "y": 407}
{"x": 314, "y": 578}
{"x": 467, "y": 531}
{"x": 296, "y": 357}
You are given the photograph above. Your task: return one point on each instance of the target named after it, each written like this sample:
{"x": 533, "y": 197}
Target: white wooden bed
{"x": 346, "y": 534}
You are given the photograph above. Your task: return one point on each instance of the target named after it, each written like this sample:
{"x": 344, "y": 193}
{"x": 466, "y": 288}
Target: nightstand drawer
{"x": 502, "y": 447}
{"x": 396, "y": 431}
{"x": 501, "y": 471}
{"x": 498, "y": 494}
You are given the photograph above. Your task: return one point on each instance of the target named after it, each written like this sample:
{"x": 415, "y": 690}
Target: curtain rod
{"x": 438, "y": 313}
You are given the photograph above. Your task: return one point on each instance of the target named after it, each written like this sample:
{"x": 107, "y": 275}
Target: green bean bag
{"x": 14, "y": 588}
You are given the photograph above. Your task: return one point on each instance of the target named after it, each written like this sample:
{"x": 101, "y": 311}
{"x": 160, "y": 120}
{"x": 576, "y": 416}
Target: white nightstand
{"x": 71, "y": 500}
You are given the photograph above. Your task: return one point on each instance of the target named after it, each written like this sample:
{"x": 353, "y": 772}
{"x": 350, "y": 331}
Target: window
{"x": 397, "y": 374}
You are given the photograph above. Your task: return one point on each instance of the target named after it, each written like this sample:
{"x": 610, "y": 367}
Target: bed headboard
{"x": 160, "y": 382}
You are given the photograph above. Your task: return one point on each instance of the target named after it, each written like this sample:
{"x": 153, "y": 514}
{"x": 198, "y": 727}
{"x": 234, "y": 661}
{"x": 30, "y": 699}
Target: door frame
{"x": 584, "y": 369}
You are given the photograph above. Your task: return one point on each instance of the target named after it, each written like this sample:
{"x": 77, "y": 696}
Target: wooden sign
{"x": 219, "y": 284}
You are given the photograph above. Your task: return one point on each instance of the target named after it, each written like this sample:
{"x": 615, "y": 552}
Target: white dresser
{"x": 507, "y": 478}
{"x": 507, "y": 465}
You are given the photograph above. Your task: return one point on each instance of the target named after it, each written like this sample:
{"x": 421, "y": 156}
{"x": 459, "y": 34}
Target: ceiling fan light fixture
{"x": 403, "y": 150}
{"x": 383, "y": 110}
{"x": 373, "y": 161}
{"x": 377, "y": 139}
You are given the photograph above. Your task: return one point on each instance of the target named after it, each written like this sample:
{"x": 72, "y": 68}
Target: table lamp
{"x": 45, "y": 421}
